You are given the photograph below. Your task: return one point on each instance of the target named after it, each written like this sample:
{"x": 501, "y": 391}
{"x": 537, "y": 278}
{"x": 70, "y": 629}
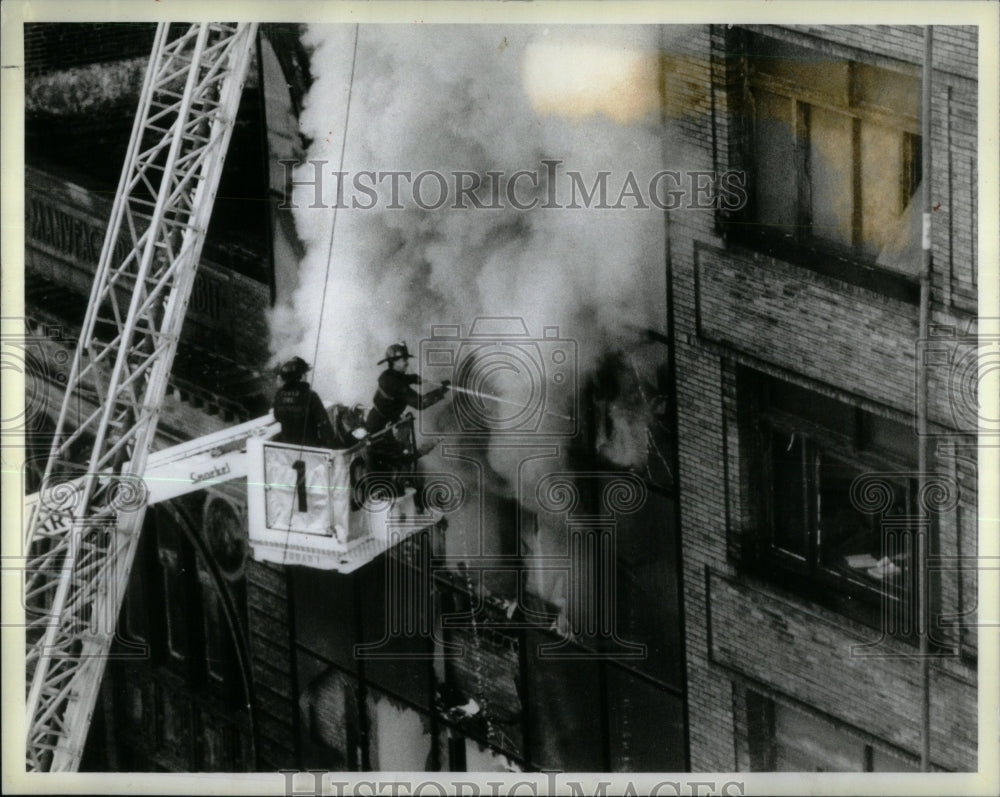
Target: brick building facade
{"x": 795, "y": 322}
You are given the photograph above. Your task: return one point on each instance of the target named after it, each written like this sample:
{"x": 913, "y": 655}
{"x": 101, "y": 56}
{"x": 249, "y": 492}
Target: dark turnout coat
{"x": 395, "y": 393}
{"x": 302, "y": 417}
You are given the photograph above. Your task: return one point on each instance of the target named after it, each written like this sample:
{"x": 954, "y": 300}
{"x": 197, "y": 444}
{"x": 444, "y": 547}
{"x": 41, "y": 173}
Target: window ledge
{"x": 767, "y": 576}
{"x": 895, "y": 285}
{"x": 765, "y": 579}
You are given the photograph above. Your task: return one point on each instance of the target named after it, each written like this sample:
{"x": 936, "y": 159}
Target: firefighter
{"x": 394, "y": 394}
{"x": 395, "y": 390}
{"x": 298, "y": 409}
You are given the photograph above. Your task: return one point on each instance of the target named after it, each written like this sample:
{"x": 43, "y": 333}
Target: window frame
{"x": 811, "y": 565}
{"x": 845, "y": 262}
{"x": 806, "y": 574}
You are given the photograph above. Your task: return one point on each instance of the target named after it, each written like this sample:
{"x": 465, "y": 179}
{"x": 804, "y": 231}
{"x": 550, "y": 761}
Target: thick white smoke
{"x": 478, "y": 99}
{"x": 451, "y": 98}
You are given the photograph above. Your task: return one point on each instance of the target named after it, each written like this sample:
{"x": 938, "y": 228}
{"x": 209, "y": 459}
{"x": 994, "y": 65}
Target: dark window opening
{"x": 838, "y": 522}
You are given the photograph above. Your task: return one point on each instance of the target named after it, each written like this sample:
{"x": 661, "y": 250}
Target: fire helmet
{"x": 396, "y": 351}
{"x": 294, "y": 369}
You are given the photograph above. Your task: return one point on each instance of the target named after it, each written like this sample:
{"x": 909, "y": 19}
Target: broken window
{"x": 821, "y": 529}
{"x": 834, "y": 153}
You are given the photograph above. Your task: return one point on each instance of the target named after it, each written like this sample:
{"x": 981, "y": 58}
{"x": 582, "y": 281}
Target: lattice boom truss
{"x": 82, "y": 533}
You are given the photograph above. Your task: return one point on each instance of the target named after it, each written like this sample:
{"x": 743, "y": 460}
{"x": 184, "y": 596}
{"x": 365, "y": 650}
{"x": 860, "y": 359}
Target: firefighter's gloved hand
{"x": 445, "y": 385}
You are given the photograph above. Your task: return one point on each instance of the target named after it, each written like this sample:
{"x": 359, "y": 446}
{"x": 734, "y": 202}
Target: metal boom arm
{"x": 83, "y": 532}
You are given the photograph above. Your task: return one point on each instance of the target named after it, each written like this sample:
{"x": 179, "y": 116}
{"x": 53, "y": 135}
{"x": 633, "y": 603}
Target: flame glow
{"x": 581, "y": 79}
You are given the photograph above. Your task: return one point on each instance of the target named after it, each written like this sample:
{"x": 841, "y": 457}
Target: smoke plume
{"x": 469, "y": 98}
{"x": 479, "y": 99}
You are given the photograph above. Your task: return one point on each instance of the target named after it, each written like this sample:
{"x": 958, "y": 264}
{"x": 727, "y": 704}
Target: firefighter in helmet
{"x": 394, "y": 394}
{"x": 299, "y": 410}
{"x": 395, "y": 390}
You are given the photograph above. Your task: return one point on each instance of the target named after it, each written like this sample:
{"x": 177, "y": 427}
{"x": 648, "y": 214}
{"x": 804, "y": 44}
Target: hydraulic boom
{"x": 83, "y": 529}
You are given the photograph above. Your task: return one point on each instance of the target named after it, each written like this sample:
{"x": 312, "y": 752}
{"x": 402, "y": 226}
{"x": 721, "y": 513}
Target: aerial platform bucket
{"x": 304, "y": 508}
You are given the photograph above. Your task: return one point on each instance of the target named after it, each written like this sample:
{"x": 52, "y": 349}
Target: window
{"x": 215, "y": 631}
{"x": 785, "y": 739}
{"x": 839, "y": 512}
{"x": 134, "y": 622}
{"x": 819, "y": 530}
{"x": 176, "y": 589}
{"x": 834, "y": 157}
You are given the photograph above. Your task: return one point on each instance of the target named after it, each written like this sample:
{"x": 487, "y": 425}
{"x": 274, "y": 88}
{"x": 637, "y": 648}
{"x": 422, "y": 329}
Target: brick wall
{"x": 272, "y": 663}
{"x": 956, "y": 253}
{"x": 700, "y": 431}
{"x": 818, "y": 659}
{"x": 488, "y": 670}
{"x": 817, "y": 327}
{"x": 828, "y": 335}
{"x": 955, "y": 47}
{"x": 959, "y": 582}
